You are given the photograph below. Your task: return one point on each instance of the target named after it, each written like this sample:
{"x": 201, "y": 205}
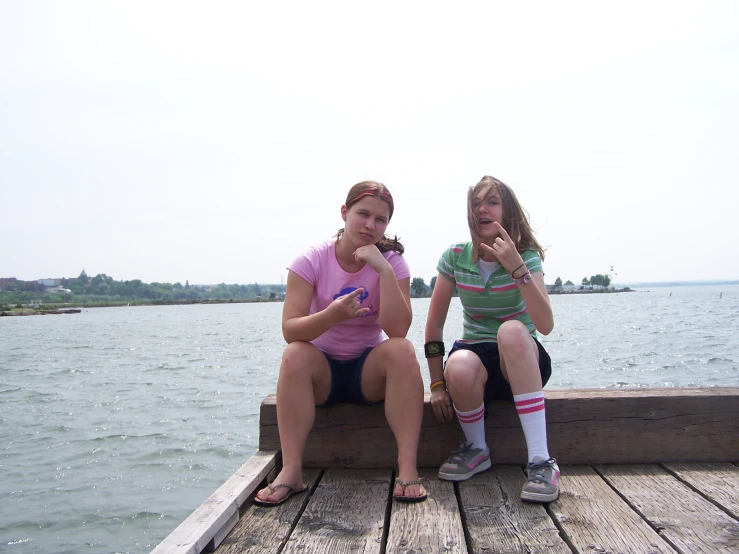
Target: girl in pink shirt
{"x": 341, "y": 296}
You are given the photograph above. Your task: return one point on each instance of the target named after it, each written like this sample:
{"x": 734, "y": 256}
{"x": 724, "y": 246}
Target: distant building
{"x": 58, "y": 290}
{"x": 49, "y": 282}
{"x": 568, "y": 286}
{"x": 6, "y": 281}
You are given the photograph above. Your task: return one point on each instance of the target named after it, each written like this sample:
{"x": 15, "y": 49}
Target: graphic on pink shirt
{"x": 348, "y": 290}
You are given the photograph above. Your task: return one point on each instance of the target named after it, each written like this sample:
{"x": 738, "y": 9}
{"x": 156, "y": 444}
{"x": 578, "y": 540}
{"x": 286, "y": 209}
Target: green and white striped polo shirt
{"x": 486, "y": 305}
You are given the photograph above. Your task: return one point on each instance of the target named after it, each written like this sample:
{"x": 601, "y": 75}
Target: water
{"x": 117, "y": 423}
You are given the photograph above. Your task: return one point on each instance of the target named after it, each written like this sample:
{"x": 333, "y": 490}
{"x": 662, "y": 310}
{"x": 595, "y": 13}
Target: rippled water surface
{"x": 116, "y": 423}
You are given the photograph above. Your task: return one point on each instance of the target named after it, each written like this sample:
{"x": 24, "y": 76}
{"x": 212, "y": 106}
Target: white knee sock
{"x": 530, "y": 408}
{"x": 473, "y": 425}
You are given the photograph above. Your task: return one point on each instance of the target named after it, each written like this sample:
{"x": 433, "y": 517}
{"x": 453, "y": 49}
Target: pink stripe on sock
{"x": 529, "y": 401}
{"x": 537, "y": 408}
{"x": 471, "y": 418}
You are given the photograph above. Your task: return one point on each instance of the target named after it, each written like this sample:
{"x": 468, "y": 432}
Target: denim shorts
{"x": 346, "y": 381}
{"x": 497, "y": 388}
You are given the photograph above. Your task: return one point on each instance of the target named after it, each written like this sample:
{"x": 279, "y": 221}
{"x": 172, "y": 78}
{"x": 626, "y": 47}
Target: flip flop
{"x": 409, "y": 499}
{"x": 291, "y": 491}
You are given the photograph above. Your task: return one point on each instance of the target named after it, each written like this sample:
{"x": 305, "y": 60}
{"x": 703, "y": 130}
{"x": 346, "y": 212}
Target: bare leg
{"x": 465, "y": 377}
{"x": 519, "y": 358}
{"x": 520, "y": 366}
{"x": 391, "y": 371}
{"x": 304, "y": 381}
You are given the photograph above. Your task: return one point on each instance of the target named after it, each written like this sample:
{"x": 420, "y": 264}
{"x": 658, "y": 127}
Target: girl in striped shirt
{"x": 499, "y": 278}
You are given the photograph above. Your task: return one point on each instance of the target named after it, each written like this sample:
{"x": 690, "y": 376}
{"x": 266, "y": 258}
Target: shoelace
{"x": 463, "y": 447}
{"x": 536, "y": 470}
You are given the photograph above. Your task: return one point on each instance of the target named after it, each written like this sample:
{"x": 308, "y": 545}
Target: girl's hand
{"x": 504, "y": 250}
{"x": 371, "y": 255}
{"x": 347, "y": 306}
{"x": 441, "y": 403}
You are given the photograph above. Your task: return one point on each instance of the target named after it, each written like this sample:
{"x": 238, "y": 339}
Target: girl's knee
{"x": 461, "y": 369}
{"x": 397, "y": 360}
{"x": 295, "y": 357}
{"x": 401, "y": 352}
{"x": 514, "y": 336}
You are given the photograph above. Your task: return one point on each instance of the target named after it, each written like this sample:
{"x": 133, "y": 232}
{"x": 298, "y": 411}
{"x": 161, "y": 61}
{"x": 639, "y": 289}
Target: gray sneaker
{"x": 465, "y": 462}
{"x": 542, "y": 484}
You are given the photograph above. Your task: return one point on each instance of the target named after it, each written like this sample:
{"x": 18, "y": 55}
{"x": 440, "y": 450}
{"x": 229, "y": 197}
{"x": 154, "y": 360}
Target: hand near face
{"x": 371, "y": 255}
{"x": 504, "y": 250}
{"x": 348, "y": 306}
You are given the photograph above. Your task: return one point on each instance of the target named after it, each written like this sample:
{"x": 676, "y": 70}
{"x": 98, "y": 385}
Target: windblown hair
{"x": 515, "y": 218}
{"x": 378, "y": 190}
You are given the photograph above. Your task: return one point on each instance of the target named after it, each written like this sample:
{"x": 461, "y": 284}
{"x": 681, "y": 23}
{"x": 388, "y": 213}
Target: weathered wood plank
{"x": 264, "y": 530}
{"x": 685, "y": 519}
{"x": 595, "y": 519}
{"x": 584, "y": 426}
{"x": 196, "y": 533}
{"x": 497, "y": 519}
{"x": 430, "y": 527}
{"x": 719, "y": 482}
{"x": 645, "y": 426}
{"x": 345, "y": 514}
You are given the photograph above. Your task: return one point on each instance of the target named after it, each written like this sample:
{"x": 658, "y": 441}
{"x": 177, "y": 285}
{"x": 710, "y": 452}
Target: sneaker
{"x": 465, "y": 462}
{"x": 542, "y": 484}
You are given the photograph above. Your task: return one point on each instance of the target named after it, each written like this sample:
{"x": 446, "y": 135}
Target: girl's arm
{"x": 534, "y": 293}
{"x": 395, "y": 294}
{"x": 395, "y": 305}
{"x": 297, "y": 325}
{"x": 438, "y": 310}
{"x": 536, "y": 298}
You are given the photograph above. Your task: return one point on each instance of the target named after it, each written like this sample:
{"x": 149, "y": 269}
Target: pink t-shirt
{"x": 319, "y": 267}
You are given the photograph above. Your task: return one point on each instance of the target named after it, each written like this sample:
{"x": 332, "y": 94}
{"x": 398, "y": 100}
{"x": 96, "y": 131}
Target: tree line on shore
{"x": 601, "y": 281}
{"x": 104, "y": 290}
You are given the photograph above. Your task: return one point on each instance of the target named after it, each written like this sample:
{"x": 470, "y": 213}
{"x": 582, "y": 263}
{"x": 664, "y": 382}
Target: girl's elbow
{"x": 397, "y": 331}
{"x": 546, "y": 328}
{"x": 288, "y": 334}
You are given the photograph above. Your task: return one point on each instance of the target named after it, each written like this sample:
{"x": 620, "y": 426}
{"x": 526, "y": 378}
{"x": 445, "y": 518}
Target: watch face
{"x": 526, "y": 278}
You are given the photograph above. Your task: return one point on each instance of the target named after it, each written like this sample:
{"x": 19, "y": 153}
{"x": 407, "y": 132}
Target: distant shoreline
{"x": 591, "y": 291}
{"x": 56, "y": 306}
{"x": 681, "y": 284}
{"x": 66, "y": 307}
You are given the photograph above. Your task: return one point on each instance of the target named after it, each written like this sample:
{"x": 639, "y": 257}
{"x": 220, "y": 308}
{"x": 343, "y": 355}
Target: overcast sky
{"x": 212, "y": 142}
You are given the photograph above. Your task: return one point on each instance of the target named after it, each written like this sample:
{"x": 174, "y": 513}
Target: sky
{"x": 213, "y": 142}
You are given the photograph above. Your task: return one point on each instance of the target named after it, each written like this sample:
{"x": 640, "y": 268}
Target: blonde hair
{"x": 515, "y": 218}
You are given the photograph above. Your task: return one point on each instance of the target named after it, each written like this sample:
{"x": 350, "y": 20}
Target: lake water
{"x": 117, "y": 423}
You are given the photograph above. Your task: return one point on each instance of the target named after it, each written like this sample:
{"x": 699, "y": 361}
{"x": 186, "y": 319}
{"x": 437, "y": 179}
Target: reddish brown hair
{"x": 378, "y": 190}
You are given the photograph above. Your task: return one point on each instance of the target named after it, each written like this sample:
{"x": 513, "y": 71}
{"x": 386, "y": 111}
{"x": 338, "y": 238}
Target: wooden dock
{"x": 643, "y": 471}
